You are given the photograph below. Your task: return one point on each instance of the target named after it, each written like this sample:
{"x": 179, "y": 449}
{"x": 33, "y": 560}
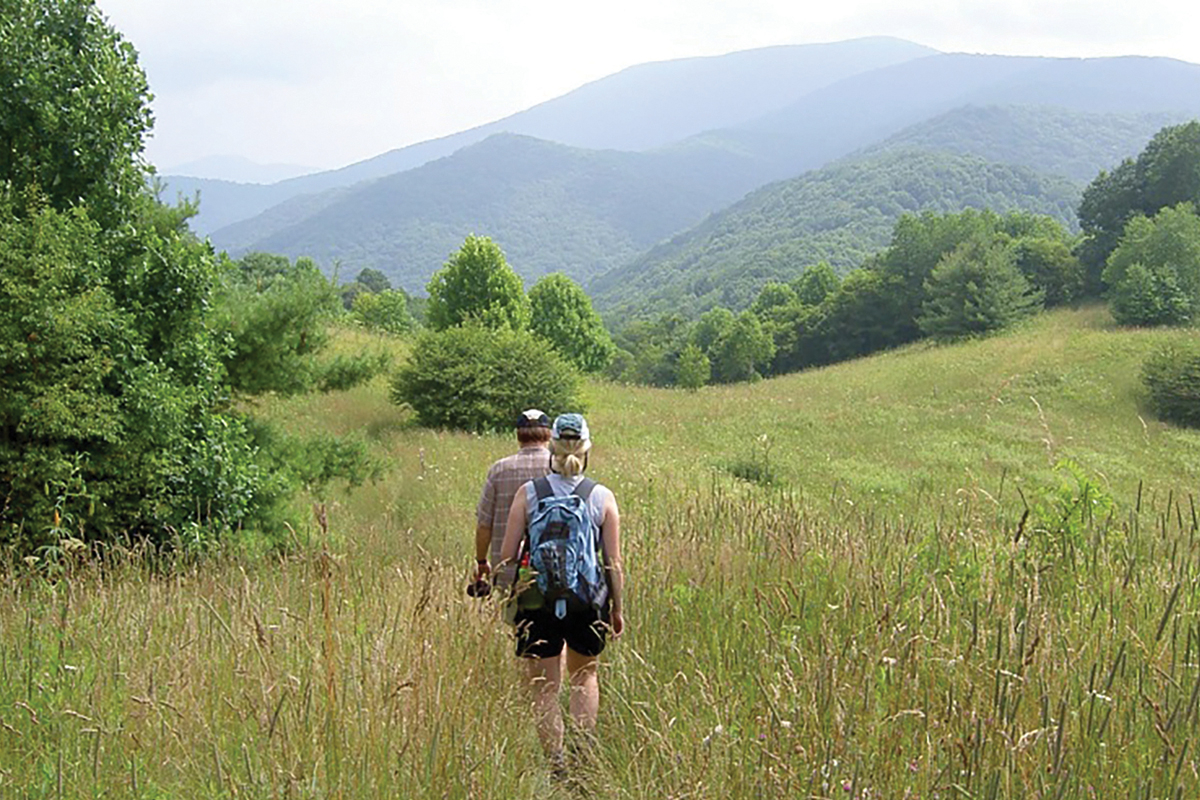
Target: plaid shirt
{"x": 503, "y": 480}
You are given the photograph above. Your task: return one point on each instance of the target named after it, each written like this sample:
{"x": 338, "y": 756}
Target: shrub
{"x": 474, "y": 378}
{"x": 1172, "y": 378}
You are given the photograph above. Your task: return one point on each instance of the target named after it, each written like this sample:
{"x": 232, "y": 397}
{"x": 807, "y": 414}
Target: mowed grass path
{"x": 875, "y": 623}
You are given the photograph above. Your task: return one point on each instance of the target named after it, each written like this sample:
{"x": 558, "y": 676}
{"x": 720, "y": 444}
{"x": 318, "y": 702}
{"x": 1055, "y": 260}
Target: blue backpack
{"x": 565, "y": 548}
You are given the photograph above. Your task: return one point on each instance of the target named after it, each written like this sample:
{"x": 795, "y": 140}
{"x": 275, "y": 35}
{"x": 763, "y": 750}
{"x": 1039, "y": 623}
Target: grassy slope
{"x": 888, "y": 635}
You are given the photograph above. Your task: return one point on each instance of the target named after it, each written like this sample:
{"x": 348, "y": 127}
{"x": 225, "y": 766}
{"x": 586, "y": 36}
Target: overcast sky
{"x": 325, "y": 83}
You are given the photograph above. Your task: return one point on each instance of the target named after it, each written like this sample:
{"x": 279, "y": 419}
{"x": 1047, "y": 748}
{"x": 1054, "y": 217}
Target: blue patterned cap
{"x": 570, "y": 426}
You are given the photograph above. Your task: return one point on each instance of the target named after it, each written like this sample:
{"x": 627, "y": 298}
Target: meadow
{"x": 960, "y": 571}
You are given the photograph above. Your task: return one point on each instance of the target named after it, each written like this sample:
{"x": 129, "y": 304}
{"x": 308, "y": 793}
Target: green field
{"x": 964, "y": 571}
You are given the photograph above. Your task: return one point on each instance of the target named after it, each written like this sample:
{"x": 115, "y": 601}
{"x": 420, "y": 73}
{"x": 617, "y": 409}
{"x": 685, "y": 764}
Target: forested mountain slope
{"x": 550, "y": 207}
{"x": 842, "y": 214}
{"x": 644, "y": 106}
{"x": 1049, "y": 139}
{"x": 856, "y": 112}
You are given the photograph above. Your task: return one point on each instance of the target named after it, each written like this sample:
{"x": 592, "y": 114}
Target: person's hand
{"x": 482, "y": 570}
{"x": 616, "y": 621}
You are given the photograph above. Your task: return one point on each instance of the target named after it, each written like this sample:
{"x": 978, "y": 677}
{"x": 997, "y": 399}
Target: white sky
{"x": 325, "y": 83}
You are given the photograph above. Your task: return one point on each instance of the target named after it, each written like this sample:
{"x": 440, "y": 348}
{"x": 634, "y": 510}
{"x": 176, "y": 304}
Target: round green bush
{"x": 1172, "y": 378}
{"x": 474, "y": 378}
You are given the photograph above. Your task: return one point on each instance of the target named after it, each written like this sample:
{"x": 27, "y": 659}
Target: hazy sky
{"x": 326, "y": 83}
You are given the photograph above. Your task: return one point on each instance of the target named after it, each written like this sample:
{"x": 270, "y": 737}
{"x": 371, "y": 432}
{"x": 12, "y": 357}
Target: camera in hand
{"x": 479, "y": 588}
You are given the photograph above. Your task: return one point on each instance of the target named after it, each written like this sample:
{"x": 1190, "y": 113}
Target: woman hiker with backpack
{"x": 568, "y": 527}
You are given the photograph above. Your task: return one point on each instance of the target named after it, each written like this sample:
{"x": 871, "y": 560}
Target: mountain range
{"x": 634, "y": 184}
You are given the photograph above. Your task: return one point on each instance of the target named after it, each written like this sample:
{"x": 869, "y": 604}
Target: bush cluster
{"x": 1172, "y": 379}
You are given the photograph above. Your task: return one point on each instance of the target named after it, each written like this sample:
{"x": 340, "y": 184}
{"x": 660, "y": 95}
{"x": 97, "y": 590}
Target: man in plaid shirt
{"x": 504, "y": 478}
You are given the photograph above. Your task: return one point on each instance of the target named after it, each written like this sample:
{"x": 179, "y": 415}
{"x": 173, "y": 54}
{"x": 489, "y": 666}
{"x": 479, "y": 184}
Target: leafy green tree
{"x": 277, "y": 322}
{"x": 477, "y": 284}
{"x": 742, "y": 352}
{"x": 475, "y": 378}
{"x": 1149, "y": 296}
{"x": 74, "y": 108}
{"x": 374, "y": 280}
{"x": 562, "y": 314}
{"x": 867, "y": 313}
{"x": 712, "y": 325}
{"x": 1051, "y": 267}
{"x": 385, "y": 311}
{"x": 1172, "y": 378}
{"x": 1167, "y": 246}
{"x": 695, "y": 370}
{"x": 816, "y": 283}
{"x": 115, "y": 415}
{"x": 773, "y": 295}
{"x": 1164, "y": 174}
{"x": 976, "y": 289}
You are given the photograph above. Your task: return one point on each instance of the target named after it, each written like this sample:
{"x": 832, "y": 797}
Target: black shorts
{"x": 540, "y": 634}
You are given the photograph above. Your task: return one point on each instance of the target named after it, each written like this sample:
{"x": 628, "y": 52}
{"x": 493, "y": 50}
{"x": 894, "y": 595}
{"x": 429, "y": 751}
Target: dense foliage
{"x": 1172, "y": 378}
{"x": 842, "y": 214}
{"x": 477, "y": 284}
{"x": 471, "y": 377}
{"x": 124, "y": 341}
{"x": 1154, "y": 272}
{"x": 943, "y": 275}
{"x": 1165, "y": 173}
{"x": 74, "y": 107}
{"x": 561, "y": 313}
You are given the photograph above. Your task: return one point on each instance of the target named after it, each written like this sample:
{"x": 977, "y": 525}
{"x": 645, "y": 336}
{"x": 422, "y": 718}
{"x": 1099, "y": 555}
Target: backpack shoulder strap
{"x": 543, "y": 488}
{"x": 584, "y": 489}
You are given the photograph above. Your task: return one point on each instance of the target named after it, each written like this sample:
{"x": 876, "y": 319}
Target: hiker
{"x": 580, "y": 618}
{"x": 503, "y": 479}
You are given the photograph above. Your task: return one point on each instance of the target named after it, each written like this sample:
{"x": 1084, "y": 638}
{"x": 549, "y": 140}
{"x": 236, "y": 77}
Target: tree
{"x": 477, "y": 284}
{"x": 562, "y": 314}
{"x": 374, "y": 280}
{"x": 816, "y": 283}
{"x": 1164, "y": 174}
{"x": 695, "y": 370}
{"x": 386, "y": 311}
{"x": 74, "y": 108}
{"x": 475, "y": 378}
{"x": 976, "y": 289}
{"x": 1149, "y": 296}
{"x": 773, "y": 295}
{"x": 743, "y": 352}
{"x": 712, "y": 325}
{"x": 115, "y": 412}
{"x": 1167, "y": 248}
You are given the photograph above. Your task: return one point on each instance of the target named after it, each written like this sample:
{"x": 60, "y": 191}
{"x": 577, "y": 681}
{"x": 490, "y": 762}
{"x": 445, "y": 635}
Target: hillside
{"x": 840, "y": 214}
{"x": 545, "y": 223}
{"x": 863, "y": 109}
{"x": 1048, "y": 139}
{"x": 550, "y": 207}
{"x": 644, "y": 106}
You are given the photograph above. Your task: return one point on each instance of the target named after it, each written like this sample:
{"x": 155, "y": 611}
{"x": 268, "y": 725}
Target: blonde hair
{"x": 568, "y": 457}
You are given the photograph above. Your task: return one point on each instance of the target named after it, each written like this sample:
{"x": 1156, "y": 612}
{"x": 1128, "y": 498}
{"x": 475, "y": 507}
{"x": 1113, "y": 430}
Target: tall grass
{"x": 974, "y": 576}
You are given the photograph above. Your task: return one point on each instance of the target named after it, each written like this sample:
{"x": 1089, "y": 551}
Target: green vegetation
{"x": 943, "y": 275}
{"x": 1165, "y": 173}
{"x": 562, "y": 315}
{"x": 1172, "y": 378}
{"x": 127, "y": 346}
{"x": 879, "y": 617}
{"x": 842, "y": 214}
{"x": 477, "y": 285}
{"x": 474, "y": 378}
{"x": 1154, "y": 272}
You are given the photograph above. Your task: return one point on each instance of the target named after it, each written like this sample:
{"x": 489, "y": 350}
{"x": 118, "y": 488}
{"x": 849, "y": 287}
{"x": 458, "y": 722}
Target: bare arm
{"x": 483, "y": 547}
{"x": 515, "y": 530}
{"x": 610, "y": 532}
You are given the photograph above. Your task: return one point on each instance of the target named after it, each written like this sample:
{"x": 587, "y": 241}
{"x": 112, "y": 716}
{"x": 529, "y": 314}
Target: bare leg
{"x": 585, "y": 690}
{"x": 545, "y": 680}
